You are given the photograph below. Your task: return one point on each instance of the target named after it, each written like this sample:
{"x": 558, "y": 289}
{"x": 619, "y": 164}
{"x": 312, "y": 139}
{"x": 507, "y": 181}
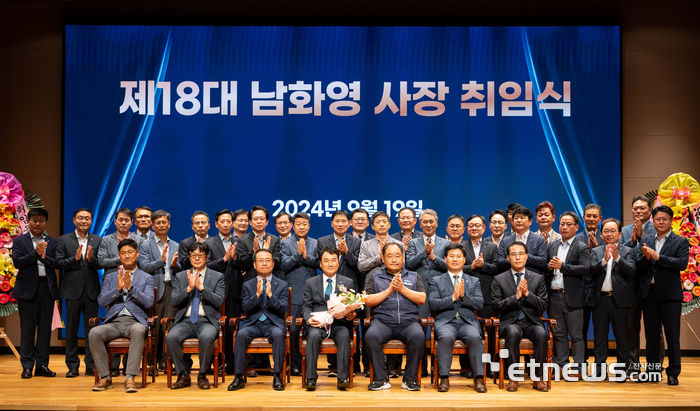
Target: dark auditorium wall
{"x": 660, "y": 62}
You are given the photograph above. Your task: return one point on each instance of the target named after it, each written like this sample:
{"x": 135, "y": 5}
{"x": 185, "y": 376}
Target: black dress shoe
{"x": 310, "y": 385}
{"x": 91, "y": 371}
{"x": 26, "y": 373}
{"x": 43, "y": 371}
{"x": 277, "y": 383}
{"x": 73, "y": 372}
{"x": 296, "y": 372}
{"x": 343, "y": 383}
{"x": 237, "y": 384}
{"x": 671, "y": 380}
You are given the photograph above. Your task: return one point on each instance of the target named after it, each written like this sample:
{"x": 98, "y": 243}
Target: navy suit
{"x": 244, "y": 255}
{"x": 206, "y": 329}
{"x": 348, "y": 262}
{"x": 536, "y": 253}
{"x": 508, "y": 308}
{"x": 567, "y": 308}
{"x": 456, "y": 319}
{"x": 137, "y": 301}
{"x": 400, "y": 234}
{"x": 273, "y": 327}
{"x": 613, "y": 308}
{"x": 80, "y": 286}
{"x": 298, "y": 270}
{"x": 35, "y": 298}
{"x": 662, "y": 300}
{"x": 314, "y": 301}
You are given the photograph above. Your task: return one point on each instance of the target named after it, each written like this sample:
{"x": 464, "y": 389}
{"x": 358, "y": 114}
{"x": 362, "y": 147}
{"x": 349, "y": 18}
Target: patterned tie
{"x": 521, "y": 315}
{"x": 263, "y": 317}
{"x": 194, "y": 308}
{"x": 329, "y": 289}
{"x": 455, "y": 281}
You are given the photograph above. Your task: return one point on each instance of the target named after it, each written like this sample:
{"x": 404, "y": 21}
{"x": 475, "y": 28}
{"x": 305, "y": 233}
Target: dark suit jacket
{"x": 399, "y": 235}
{"x": 622, "y": 277}
{"x": 24, "y": 258}
{"x": 508, "y": 306}
{"x": 275, "y": 308}
{"x": 232, "y": 276}
{"x": 574, "y": 269}
{"x": 151, "y": 261}
{"x": 666, "y": 272}
{"x": 348, "y": 262}
{"x": 315, "y": 296}
{"x": 583, "y": 237}
{"x": 78, "y": 275}
{"x": 486, "y": 273}
{"x": 536, "y": 253}
{"x": 626, "y": 238}
{"x": 212, "y": 296}
{"x": 296, "y": 268}
{"x": 137, "y": 301}
{"x": 244, "y": 255}
{"x": 440, "y": 298}
{"x": 183, "y": 256}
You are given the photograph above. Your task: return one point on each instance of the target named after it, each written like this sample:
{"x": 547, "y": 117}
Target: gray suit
{"x": 314, "y": 301}
{"x": 369, "y": 260}
{"x": 134, "y": 326}
{"x": 417, "y": 260}
{"x": 108, "y": 253}
{"x": 206, "y": 329}
{"x": 456, "y": 319}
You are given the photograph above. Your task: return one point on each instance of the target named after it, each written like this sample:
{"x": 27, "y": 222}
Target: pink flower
{"x": 687, "y": 296}
{"x": 10, "y": 189}
{"x": 695, "y": 250}
{"x": 693, "y": 277}
{"x": 4, "y": 298}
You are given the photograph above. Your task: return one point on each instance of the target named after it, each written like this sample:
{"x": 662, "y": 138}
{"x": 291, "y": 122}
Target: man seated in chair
{"x": 198, "y": 295}
{"x": 520, "y": 297}
{"x": 454, "y": 296}
{"x": 395, "y": 293}
{"x": 265, "y": 302}
{"x": 127, "y": 294}
{"x": 317, "y": 292}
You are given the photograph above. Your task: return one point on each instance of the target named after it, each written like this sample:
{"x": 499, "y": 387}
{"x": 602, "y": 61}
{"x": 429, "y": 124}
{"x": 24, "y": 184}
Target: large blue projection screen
{"x": 462, "y": 120}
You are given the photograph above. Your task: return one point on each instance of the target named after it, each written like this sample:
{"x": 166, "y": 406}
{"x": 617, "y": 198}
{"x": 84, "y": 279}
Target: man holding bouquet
{"x": 317, "y": 292}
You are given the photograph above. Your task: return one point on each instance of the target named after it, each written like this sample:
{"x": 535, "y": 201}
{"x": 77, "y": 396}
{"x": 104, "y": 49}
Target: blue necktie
{"x": 194, "y": 308}
{"x": 521, "y": 315}
{"x": 329, "y": 289}
{"x": 263, "y": 317}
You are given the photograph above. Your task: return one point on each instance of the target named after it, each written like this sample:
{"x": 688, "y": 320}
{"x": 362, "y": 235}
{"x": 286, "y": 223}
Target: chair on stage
{"x": 396, "y": 346}
{"x": 458, "y": 348}
{"x": 327, "y": 347}
{"x": 261, "y": 345}
{"x": 526, "y": 347}
{"x": 121, "y": 345}
{"x": 191, "y": 346}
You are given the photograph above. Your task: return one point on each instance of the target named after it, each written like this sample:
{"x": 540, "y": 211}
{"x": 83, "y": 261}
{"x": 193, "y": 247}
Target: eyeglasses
{"x": 406, "y": 218}
{"x": 566, "y": 224}
{"x": 456, "y": 226}
{"x": 498, "y": 223}
{"x": 263, "y": 260}
{"x": 143, "y": 217}
{"x": 200, "y": 223}
{"x": 360, "y": 219}
{"x": 197, "y": 256}
{"x": 614, "y": 231}
{"x": 520, "y": 254}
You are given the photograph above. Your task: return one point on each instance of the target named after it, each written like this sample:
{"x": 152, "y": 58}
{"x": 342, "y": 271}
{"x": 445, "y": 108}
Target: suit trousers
{"x": 74, "y": 308}
{"x": 457, "y": 328}
{"x": 485, "y": 312}
{"x": 35, "y": 324}
{"x": 667, "y": 312}
{"x": 259, "y": 329}
{"x": 124, "y": 326}
{"x": 341, "y": 336}
{"x": 410, "y": 333}
{"x": 203, "y": 330}
{"x": 513, "y": 333}
{"x": 635, "y": 330}
{"x": 605, "y": 313}
{"x": 163, "y": 310}
{"x": 569, "y": 323}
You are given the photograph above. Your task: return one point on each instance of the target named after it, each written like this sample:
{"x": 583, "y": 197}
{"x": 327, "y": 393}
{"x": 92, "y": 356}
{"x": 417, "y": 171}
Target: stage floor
{"x": 60, "y": 393}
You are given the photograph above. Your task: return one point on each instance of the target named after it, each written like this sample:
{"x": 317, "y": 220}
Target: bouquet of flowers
{"x": 11, "y": 202}
{"x": 346, "y": 302}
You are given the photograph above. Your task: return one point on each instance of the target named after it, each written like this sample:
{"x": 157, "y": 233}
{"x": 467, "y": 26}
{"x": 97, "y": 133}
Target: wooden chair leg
{"x": 420, "y": 373}
{"x": 352, "y": 368}
{"x": 216, "y": 370}
{"x": 144, "y": 371}
{"x": 500, "y": 373}
{"x": 169, "y": 372}
{"x": 433, "y": 376}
